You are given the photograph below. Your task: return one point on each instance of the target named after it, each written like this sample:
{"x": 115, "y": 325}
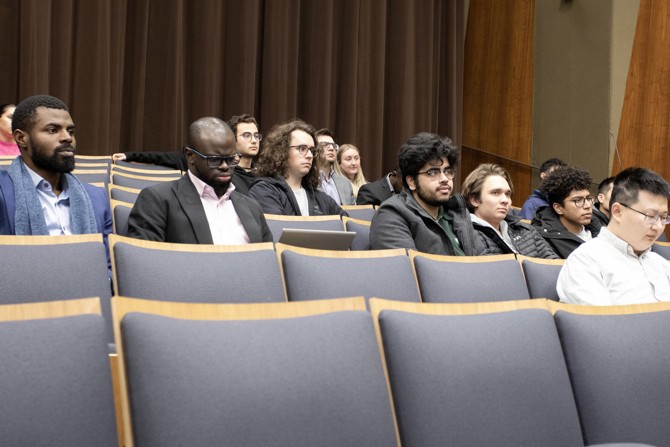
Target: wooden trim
{"x": 346, "y": 219}
{"x": 48, "y": 240}
{"x": 461, "y": 259}
{"x": 50, "y": 309}
{"x": 301, "y": 218}
{"x": 118, "y": 169}
{"x": 608, "y": 310}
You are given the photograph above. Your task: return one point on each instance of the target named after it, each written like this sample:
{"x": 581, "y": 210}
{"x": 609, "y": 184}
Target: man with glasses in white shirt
{"x": 426, "y": 216}
{"x": 568, "y": 221}
{"x": 203, "y": 206}
{"x": 335, "y": 185}
{"x": 618, "y": 267}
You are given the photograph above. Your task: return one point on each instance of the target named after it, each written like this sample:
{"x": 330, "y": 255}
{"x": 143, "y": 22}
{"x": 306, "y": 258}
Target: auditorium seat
{"x": 323, "y": 274}
{"x": 55, "y": 379}
{"x": 465, "y": 279}
{"x": 541, "y": 276}
{"x": 362, "y": 230}
{"x": 284, "y": 374}
{"x": 47, "y": 268}
{"x": 462, "y": 376}
{"x": 196, "y": 273}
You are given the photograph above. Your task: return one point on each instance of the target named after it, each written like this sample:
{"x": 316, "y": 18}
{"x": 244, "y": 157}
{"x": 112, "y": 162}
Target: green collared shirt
{"x": 445, "y": 222}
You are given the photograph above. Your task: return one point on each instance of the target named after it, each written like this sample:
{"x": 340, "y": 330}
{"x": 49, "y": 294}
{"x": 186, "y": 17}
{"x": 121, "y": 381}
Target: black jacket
{"x": 547, "y": 223}
{"x": 374, "y": 193}
{"x": 525, "y": 239}
{"x": 276, "y": 197}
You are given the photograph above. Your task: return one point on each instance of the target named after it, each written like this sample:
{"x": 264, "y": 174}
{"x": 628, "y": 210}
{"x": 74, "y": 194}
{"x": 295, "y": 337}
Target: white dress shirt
{"x": 605, "y": 271}
{"x": 56, "y": 208}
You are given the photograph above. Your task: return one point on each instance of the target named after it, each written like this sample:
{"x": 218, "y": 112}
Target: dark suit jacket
{"x": 374, "y": 193}
{"x": 173, "y": 212}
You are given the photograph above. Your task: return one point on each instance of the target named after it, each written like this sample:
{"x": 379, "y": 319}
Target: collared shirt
{"x": 606, "y": 271}
{"x": 56, "y": 208}
{"x": 224, "y": 223}
{"x": 445, "y": 222}
{"x": 328, "y": 186}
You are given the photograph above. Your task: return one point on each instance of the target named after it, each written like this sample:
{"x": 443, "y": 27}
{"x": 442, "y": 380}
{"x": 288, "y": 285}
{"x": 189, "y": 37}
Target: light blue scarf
{"x": 29, "y": 217}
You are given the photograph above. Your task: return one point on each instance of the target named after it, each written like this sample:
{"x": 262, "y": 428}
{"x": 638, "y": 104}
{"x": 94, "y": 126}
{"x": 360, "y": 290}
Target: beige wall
{"x": 572, "y": 83}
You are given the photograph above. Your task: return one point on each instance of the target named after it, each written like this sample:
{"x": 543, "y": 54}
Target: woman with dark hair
{"x": 7, "y": 144}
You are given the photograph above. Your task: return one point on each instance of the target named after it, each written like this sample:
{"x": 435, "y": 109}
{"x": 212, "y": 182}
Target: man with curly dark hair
{"x": 426, "y": 215}
{"x": 568, "y": 221}
{"x": 289, "y": 175}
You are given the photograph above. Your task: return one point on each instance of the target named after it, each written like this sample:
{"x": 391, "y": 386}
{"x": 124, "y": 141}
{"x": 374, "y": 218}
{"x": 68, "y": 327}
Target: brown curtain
{"x": 135, "y": 73}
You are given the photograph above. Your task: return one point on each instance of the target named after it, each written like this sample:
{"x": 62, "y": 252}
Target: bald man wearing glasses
{"x": 618, "y": 267}
{"x": 203, "y": 206}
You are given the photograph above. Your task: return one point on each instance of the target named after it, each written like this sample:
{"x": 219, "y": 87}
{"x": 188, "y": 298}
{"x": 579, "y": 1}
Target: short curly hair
{"x": 558, "y": 185}
{"x": 273, "y": 160}
{"x": 25, "y": 114}
{"x": 474, "y": 182}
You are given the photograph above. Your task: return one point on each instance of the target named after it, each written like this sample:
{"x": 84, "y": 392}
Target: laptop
{"x": 317, "y": 239}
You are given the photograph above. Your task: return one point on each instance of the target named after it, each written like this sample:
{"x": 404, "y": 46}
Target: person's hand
{"x": 119, "y": 157}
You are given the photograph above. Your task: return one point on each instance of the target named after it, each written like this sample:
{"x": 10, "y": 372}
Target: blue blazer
{"x": 99, "y": 199}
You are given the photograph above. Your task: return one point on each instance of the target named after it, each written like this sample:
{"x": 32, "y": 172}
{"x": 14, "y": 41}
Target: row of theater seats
{"x": 332, "y": 373}
{"x": 75, "y": 267}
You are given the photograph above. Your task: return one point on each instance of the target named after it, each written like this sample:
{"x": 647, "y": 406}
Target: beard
{"x": 430, "y": 199}
{"x": 55, "y": 162}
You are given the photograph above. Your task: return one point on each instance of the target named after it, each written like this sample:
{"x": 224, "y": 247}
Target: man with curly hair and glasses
{"x": 618, "y": 267}
{"x": 288, "y": 174}
{"x": 426, "y": 216}
{"x": 203, "y": 206}
{"x": 568, "y": 221}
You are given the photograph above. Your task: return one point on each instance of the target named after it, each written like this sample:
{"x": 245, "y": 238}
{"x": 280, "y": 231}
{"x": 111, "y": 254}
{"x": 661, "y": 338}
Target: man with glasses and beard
{"x": 202, "y": 207}
{"x": 426, "y": 216}
{"x": 38, "y": 195}
{"x": 618, "y": 267}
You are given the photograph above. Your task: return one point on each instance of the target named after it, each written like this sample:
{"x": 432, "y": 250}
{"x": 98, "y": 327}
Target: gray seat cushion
{"x": 479, "y": 380}
{"x": 311, "y": 381}
{"x": 316, "y": 277}
{"x": 620, "y": 371}
{"x": 459, "y": 282}
{"x": 55, "y": 383}
{"x": 541, "y": 279}
{"x": 196, "y": 276}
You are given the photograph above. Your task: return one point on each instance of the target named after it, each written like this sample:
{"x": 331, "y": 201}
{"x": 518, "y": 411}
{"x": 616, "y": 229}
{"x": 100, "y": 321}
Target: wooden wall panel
{"x": 498, "y": 88}
{"x": 644, "y": 132}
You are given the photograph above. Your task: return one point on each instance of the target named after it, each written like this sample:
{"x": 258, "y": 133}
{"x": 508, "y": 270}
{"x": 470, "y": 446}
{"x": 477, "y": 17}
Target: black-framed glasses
{"x": 214, "y": 161}
{"x": 651, "y": 219}
{"x": 329, "y": 147}
{"x": 303, "y": 148}
{"x": 448, "y": 172}
{"x": 581, "y": 201}
{"x": 248, "y": 135}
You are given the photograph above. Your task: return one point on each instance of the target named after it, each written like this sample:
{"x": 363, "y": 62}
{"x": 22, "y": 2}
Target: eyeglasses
{"x": 448, "y": 172}
{"x": 581, "y": 201}
{"x": 247, "y": 136}
{"x": 328, "y": 146}
{"x": 214, "y": 161}
{"x": 303, "y": 148}
{"x": 651, "y": 219}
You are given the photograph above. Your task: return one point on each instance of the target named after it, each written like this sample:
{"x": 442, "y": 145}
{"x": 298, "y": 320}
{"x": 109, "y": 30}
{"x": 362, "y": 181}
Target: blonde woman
{"x": 349, "y": 165}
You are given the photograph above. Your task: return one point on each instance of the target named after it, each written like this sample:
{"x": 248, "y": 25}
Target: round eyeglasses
{"x": 433, "y": 173}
